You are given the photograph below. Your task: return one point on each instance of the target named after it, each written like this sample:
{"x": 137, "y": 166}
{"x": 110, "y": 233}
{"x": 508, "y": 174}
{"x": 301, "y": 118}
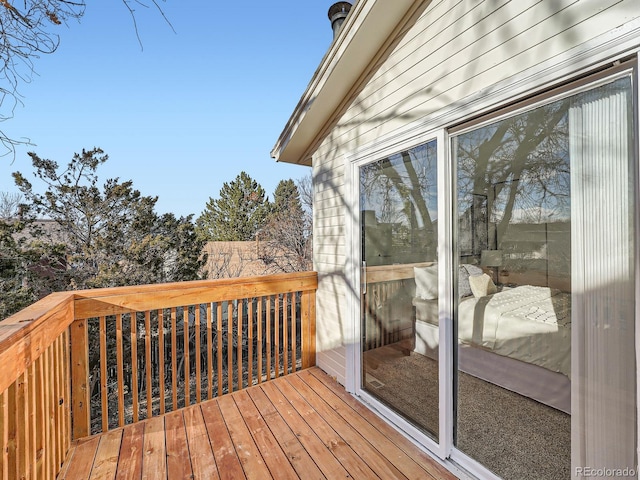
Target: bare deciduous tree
{"x": 286, "y": 238}
{"x": 9, "y": 205}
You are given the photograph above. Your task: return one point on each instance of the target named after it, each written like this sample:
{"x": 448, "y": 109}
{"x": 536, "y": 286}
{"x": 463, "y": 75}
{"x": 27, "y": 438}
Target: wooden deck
{"x": 302, "y": 425}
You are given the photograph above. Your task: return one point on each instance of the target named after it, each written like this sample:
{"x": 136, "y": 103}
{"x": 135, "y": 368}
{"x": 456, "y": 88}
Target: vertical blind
{"x": 603, "y": 392}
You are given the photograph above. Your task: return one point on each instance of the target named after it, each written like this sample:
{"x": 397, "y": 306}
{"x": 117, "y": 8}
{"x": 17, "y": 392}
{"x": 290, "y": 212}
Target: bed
{"x": 518, "y": 338}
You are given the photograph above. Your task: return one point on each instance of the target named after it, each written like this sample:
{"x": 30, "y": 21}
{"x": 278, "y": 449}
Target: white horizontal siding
{"x": 330, "y": 302}
{"x": 337, "y": 265}
{"x": 332, "y": 241}
{"x": 329, "y": 221}
{"x": 331, "y": 259}
{"x": 328, "y": 231}
{"x": 330, "y": 197}
{"x": 328, "y": 261}
{"x": 333, "y": 362}
{"x": 455, "y": 53}
{"x": 446, "y": 62}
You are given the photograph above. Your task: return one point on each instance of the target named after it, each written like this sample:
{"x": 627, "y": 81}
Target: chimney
{"x": 337, "y": 13}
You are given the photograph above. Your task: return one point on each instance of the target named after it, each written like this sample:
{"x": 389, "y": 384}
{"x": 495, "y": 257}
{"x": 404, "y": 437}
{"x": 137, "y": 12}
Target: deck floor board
{"x": 302, "y": 425}
{"x": 130, "y": 462}
{"x": 178, "y": 459}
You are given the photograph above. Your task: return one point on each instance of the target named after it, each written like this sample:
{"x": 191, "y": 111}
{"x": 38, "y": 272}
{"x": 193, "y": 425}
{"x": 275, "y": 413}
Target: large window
{"x": 497, "y": 285}
{"x": 398, "y": 203}
{"x": 544, "y": 323}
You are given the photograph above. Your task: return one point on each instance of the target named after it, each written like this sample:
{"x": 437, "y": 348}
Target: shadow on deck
{"x": 303, "y": 425}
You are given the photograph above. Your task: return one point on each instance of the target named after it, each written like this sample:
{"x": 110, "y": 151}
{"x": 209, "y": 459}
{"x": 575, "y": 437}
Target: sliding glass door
{"x": 398, "y": 219}
{"x": 497, "y": 286}
{"x": 545, "y": 319}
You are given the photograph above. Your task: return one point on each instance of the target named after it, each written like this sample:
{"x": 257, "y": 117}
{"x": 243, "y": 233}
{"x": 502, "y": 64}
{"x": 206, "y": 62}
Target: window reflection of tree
{"x": 521, "y": 164}
{"x": 401, "y": 189}
{"x": 531, "y": 147}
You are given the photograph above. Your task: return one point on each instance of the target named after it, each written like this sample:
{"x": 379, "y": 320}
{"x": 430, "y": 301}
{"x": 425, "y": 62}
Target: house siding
{"x": 453, "y": 55}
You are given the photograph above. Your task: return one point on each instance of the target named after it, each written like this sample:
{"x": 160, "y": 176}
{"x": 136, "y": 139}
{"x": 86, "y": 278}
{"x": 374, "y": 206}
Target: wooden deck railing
{"x": 387, "y": 305}
{"x": 77, "y": 363}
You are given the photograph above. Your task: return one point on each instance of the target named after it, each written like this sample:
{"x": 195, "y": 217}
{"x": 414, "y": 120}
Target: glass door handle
{"x": 364, "y": 277}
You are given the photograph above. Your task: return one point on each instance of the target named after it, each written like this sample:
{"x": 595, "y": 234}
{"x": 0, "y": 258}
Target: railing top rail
{"x": 111, "y": 301}
{"x": 309, "y": 276}
{"x": 20, "y": 324}
{"x": 25, "y": 335}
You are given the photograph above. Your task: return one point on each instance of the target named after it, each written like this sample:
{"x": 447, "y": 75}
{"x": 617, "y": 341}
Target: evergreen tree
{"x": 286, "y": 199}
{"x": 25, "y": 267}
{"x": 239, "y": 213}
{"x": 110, "y": 234}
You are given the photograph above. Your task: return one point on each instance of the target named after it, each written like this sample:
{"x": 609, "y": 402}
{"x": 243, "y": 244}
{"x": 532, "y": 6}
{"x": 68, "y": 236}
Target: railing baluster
{"x": 12, "y": 434}
{"x": 285, "y": 332}
{"x": 219, "y": 334}
{"x": 59, "y": 411}
{"x": 259, "y": 322}
{"x": 209, "y": 352}
{"x": 161, "y": 385}
{"x": 31, "y": 452}
{"x": 134, "y": 366}
{"x": 268, "y": 339}
{"x": 147, "y": 362}
{"x": 104, "y": 388}
{"x": 250, "y": 342}
{"x": 294, "y": 336}
{"x": 51, "y": 408}
{"x": 239, "y": 343}
{"x": 197, "y": 354}
{"x": 22, "y": 443}
{"x": 48, "y": 395}
{"x": 187, "y": 373}
{"x": 67, "y": 391}
{"x": 4, "y": 434}
{"x": 119, "y": 368}
{"x": 174, "y": 361}
{"x": 276, "y": 331}
{"x": 229, "y": 347}
{"x": 39, "y": 449}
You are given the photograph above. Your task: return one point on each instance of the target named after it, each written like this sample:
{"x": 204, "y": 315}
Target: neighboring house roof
{"x": 233, "y": 259}
{"x": 363, "y": 40}
{"x": 49, "y": 227}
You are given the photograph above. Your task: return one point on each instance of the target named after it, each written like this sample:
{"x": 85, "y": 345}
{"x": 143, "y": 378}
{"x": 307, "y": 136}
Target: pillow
{"x": 464, "y": 272}
{"x": 426, "y": 282}
{"x": 482, "y": 285}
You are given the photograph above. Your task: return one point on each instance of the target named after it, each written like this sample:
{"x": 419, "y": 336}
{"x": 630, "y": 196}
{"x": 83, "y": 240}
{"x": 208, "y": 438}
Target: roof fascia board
{"x": 364, "y": 32}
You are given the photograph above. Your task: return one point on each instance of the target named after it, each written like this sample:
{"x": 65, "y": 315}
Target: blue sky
{"x": 186, "y": 113}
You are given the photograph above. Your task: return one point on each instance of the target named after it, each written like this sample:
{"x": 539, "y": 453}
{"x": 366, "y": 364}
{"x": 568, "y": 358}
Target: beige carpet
{"x": 514, "y": 436}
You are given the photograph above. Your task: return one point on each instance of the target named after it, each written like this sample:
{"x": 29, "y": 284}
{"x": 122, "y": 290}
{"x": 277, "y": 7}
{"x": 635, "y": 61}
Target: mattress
{"x": 527, "y": 323}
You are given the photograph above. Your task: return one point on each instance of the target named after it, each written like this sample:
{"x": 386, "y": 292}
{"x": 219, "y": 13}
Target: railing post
{"x": 80, "y": 406}
{"x": 308, "y": 328}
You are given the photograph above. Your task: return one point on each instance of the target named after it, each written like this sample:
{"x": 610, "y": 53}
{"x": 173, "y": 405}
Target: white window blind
{"x": 603, "y": 289}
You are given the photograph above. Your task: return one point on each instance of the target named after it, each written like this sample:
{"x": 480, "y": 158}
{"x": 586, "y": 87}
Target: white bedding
{"x": 531, "y": 324}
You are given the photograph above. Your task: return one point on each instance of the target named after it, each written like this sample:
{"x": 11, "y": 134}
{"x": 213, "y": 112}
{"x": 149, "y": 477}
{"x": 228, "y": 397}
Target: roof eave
{"x": 363, "y": 34}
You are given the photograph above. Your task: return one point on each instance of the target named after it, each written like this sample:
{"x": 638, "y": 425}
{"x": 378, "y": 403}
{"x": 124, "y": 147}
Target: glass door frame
{"x": 568, "y": 89}
{"x": 353, "y": 270}
{"x": 445, "y": 449}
